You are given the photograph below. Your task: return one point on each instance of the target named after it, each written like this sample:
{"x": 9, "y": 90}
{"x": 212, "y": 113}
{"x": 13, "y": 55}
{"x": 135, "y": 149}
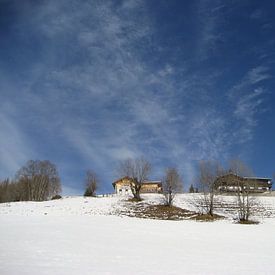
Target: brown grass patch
{"x": 248, "y": 222}
{"x": 134, "y": 200}
{"x": 159, "y": 212}
{"x": 140, "y": 209}
{"x": 207, "y": 217}
{"x": 164, "y": 212}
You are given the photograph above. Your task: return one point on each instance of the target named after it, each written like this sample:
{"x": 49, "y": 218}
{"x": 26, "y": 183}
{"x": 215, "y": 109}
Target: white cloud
{"x": 257, "y": 74}
{"x": 14, "y": 148}
{"x": 257, "y": 14}
{"x": 252, "y": 77}
{"x": 210, "y": 17}
{"x": 247, "y": 97}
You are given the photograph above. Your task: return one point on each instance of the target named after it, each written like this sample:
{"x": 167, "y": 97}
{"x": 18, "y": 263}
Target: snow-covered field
{"x": 85, "y": 236}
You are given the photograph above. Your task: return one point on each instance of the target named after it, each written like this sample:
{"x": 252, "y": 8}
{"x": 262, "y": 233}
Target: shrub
{"x": 56, "y": 197}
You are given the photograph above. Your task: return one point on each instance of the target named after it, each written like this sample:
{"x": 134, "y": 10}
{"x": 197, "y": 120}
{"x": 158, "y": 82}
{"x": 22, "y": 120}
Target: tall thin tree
{"x": 172, "y": 184}
{"x": 242, "y": 181}
{"x": 209, "y": 171}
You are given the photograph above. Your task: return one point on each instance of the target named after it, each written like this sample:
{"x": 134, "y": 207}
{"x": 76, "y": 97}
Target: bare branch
{"x": 172, "y": 184}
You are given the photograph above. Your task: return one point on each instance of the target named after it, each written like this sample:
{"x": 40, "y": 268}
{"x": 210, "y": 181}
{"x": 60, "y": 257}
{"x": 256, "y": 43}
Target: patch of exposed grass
{"x": 207, "y": 217}
{"x": 159, "y": 212}
{"x": 164, "y": 212}
{"x": 141, "y": 209}
{"x": 247, "y": 222}
{"x": 134, "y": 200}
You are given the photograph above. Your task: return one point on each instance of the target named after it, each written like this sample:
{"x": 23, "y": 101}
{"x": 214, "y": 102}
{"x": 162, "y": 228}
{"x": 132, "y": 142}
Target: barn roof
{"x": 258, "y": 178}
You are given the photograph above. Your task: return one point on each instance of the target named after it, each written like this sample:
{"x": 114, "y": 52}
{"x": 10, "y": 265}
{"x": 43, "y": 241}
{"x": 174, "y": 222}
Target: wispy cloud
{"x": 14, "y": 147}
{"x": 210, "y": 19}
{"x": 247, "y": 97}
{"x": 257, "y": 14}
{"x": 256, "y": 75}
{"x": 246, "y": 107}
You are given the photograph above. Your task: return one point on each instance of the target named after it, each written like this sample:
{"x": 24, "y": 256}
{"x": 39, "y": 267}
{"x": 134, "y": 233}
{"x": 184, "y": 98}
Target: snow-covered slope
{"x": 83, "y": 236}
{"x": 64, "y": 207}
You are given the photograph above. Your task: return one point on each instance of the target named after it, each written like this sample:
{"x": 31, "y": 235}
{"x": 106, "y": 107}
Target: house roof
{"x": 158, "y": 182}
{"x": 120, "y": 179}
{"x": 257, "y": 178}
{"x": 226, "y": 176}
{"x": 123, "y": 178}
{"x": 250, "y": 178}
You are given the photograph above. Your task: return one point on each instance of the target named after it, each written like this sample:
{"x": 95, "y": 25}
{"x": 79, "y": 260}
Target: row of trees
{"x": 35, "y": 181}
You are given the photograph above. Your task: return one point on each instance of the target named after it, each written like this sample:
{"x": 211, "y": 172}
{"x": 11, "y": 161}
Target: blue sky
{"x": 87, "y": 84}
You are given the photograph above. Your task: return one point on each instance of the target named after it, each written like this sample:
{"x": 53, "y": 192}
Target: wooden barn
{"x": 231, "y": 182}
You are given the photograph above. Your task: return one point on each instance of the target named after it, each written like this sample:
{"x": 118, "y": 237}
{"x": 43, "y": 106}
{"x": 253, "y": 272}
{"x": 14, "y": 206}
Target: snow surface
{"x": 85, "y": 236}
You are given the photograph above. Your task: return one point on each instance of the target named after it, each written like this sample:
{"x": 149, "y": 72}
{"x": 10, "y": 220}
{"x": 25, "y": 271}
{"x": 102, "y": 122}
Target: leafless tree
{"x": 11, "y": 191}
{"x": 5, "y": 191}
{"x": 209, "y": 171}
{"x": 172, "y": 184}
{"x": 245, "y": 201}
{"x": 138, "y": 171}
{"x": 91, "y": 183}
{"x": 39, "y": 180}
{"x": 239, "y": 168}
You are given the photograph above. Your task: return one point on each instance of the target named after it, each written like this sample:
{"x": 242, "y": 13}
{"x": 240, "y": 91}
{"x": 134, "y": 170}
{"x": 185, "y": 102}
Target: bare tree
{"x": 209, "y": 171}
{"x": 91, "y": 183}
{"x": 172, "y": 184}
{"x": 12, "y": 191}
{"x": 245, "y": 201}
{"x": 5, "y": 191}
{"x": 239, "y": 168}
{"x": 138, "y": 171}
{"x": 39, "y": 180}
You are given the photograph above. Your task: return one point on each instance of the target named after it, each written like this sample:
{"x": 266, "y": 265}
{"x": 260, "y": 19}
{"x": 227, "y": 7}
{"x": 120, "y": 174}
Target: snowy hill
{"x": 79, "y": 235}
